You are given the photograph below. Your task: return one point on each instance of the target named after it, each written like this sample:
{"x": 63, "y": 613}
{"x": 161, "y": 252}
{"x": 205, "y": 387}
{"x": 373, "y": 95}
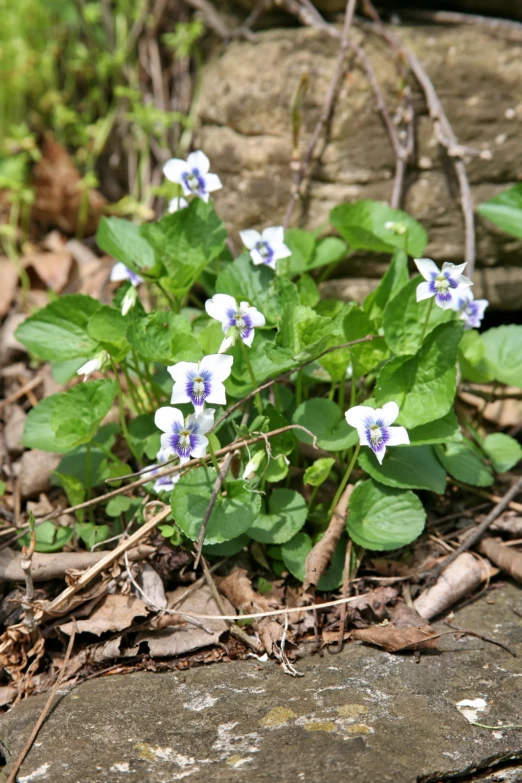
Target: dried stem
{"x": 221, "y": 476}
{"x": 346, "y": 587}
{"x": 25, "y": 565}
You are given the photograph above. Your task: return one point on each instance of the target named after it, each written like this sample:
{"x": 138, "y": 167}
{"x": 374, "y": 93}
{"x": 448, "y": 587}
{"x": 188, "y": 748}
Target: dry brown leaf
{"x": 152, "y": 585}
{"x": 376, "y": 600}
{"x": 458, "y": 580}
{"x": 503, "y": 413}
{"x": 238, "y": 589}
{"x": 180, "y": 639}
{"x": 9, "y": 278}
{"x": 53, "y": 269}
{"x": 393, "y": 639}
{"x": 321, "y": 554}
{"x": 59, "y": 193}
{"x": 115, "y": 613}
{"x": 505, "y": 557}
{"x": 510, "y": 522}
{"x": 403, "y": 616}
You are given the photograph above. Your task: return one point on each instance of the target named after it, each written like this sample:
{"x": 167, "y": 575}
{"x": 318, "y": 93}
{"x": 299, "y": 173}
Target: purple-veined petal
{"x": 380, "y": 453}
{"x": 165, "y": 445}
{"x": 179, "y": 371}
{"x": 166, "y": 418}
{"x": 388, "y": 413}
{"x": 257, "y": 258}
{"x": 256, "y": 318}
{"x": 359, "y": 415}
{"x": 275, "y": 235}
{"x": 423, "y": 291}
{"x": 205, "y": 420}
{"x": 217, "y": 365}
{"x": 198, "y": 160}
{"x": 448, "y": 302}
{"x": 219, "y": 306}
{"x": 212, "y": 183}
{"x": 455, "y": 270}
{"x": 200, "y": 447}
{"x": 397, "y": 436}
{"x": 426, "y": 267}
{"x": 174, "y": 170}
{"x": 249, "y": 237}
{"x": 464, "y": 282}
{"x": 248, "y": 338}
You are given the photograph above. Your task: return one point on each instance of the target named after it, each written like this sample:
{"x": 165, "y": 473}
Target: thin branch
{"x": 221, "y": 476}
{"x": 29, "y": 386}
{"x": 28, "y": 745}
{"x": 477, "y": 534}
{"x": 502, "y": 28}
{"x": 325, "y": 111}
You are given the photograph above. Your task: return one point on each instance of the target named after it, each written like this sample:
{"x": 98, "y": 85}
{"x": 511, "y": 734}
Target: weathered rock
{"x": 245, "y": 116}
{"x": 36, "y": 468}
{"x": 363, "y": 716}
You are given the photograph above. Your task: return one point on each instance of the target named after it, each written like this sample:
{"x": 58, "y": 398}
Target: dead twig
{"x": 25, "y": 565}
{"x": 502, "y": 28}
{"x": 321, "y": 553}
{"x": 483, "y": 638}
{"x": 477, "y": 534}
{"x": 38, "y": 725}
{"x": 326, "y": 111}
{"x": 22, "y": 391}
{"x": 346, "y": 587}
{"x": 212, "y": 502}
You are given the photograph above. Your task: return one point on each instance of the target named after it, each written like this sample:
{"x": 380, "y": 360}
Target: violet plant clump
{"x": 201, "y": 354}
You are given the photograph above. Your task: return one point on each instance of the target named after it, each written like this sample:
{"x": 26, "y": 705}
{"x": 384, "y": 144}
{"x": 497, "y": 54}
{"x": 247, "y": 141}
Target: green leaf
{"x": 76, "y": 414}
{"x": 383, "y": 518}
{"x": 3, "y": 487}
{"x": 439, "y": 431}
{"x": 365, "y": 356}
{"x": 505, "y": 210}
{"x": 108, "y": 326}
{"x": 50, "y": 537}
{"x": 163, "y": 337}
{"x": 465, "y": 463}
{"x": 326, "y": 421}
{"x": 59, "y": 331}
{"x": 63, "y": 371}
{"x": 308, "y": 291}
{"x": 74, "y": 489}
{"x": 302, "y": 245}
{"x": 258, "y": 286}
{"x": 503, "y": 347}
{"x": 408, "y": 467}
{"x": 122, "y": 240}
{"x": 122, "y": 505}
{"x": 185, "y": 242}
{"x": 38, "y": 433}
{"x": 472, "y": 358}
{"x": 305, "y": 334}
{"x": 404, "y": 319}
{"x": 395, "y": 277}
{"x": 280, "y": 444}
{"x": 144, "y": 435}
{"x": 287, "y": 514}
{"x": 329, "y": 250}
{"x": 424, "y": 385}
{"x": 295, "y": 552}
{"x": 92, "y": 534}
{"x": 227, "y": 548}
{"x": 232, "y": 515}
{"x": 363, "y": 225}
{"x": 317, "y": 473}
{"x": 504, "y": 452}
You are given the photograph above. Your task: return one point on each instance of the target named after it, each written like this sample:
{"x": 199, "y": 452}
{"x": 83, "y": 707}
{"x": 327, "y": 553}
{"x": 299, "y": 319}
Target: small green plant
{"x": 240, "y": 355}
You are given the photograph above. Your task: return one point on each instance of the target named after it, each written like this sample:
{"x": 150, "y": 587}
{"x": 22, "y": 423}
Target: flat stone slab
{"x": 363, "y": 716}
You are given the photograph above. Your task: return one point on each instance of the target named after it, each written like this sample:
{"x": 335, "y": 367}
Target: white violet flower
{"x": 237, "y": 320}
{"x": 201, "y": 382}
{"x": 163, "y": 483}
{"x": 177, "y": 203}
{"x": 121, "y": 272}
{"x": 93, "y": 365}
{"x": 193, "y": 175}
{"x": 470, "y": 310}
{"x": 266, "y": 248}
{"x": 128, "y": 301}
{"x": 181, "y": 437}
{"x": 443, "y": 284}
{"x": 373, "y": 427}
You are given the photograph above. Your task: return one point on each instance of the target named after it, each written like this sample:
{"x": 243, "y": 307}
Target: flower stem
{"x": 344, "y": 482}
{"x": 353, "y": 388}
{"x": 143, "y": 379}
{"x": 121, "y": 406}
{"x": 213, "y": 457}
{"x": 138, "y": 404}
{"x": 88, "y": 479}
{"x": 311, "y": 502}
{"x": 257, "y": 398}
{"x": 428, "y": 314}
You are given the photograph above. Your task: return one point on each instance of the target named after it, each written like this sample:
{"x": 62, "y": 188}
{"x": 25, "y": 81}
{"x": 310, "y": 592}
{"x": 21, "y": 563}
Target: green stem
{"x": 299, "y": 389}
{"x": 172, "y": 302}
{"x": 121, "y": 406}
{"x": 213, "y": 456}
{"x": 152, "y": 384}
{"x": 342, "y": 389}
{"x": 257, "y": 399}
{"x": 344, "y": 482}
{"x": 138, "y": 404}
{"x": 88, "y": 479}
{"x": 428, "y": 314}
{"x": 143, "y": 380}
{"x": 312, "y": 498}
{"x": 353, "y": 388}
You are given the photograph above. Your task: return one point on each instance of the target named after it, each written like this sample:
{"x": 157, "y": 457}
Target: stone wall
{"x": 245, "y": 128}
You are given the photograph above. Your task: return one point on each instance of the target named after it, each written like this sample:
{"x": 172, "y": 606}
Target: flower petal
{"x": 166, "y": 418}
{"x": 217, "y": 394}
{"x": 179, "y": 394}
{"x": 358, "y": 416}
{"x": 119, "y": 272}
{"x": 449, "y": 302}
{"x": 212, "y": 183}
{"x": 166, "y": 448}
{"x": 249, "y": 237}
{"x": 257, "y": 258}
{"x": 217, "y": 365}
{"x": 256, "y": 318}
{"x": 423, "y": 291}
{"x": 174, "y": 169}
{"x": 275, "y": 235}
{"x": 205, "y": 420}
{"x": 389, "y": 412}
{"x": 175, "y": 204}
{"x": 426, "y": 267}
{"x": 200, "y": 447}
{"x": 380, "y": 454}
{"x": 248, "y": 339}
{"x": 178, "y": 372}
{"x": 281, "y": 251}
{"x": 198, "y": 160}
{"x": 464, "y": 282}
{"x": 455, "y": 270}
{"x": 481, "y": 307}
{"x": 397, "y": 436}
{"x": 219, "y": 306}
{"x": 225, "y": 345}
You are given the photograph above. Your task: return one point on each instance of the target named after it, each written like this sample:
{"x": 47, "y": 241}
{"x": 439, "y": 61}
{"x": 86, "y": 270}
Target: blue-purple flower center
{"x": 194, "y": 181}
{"x": 133, "y": 277}
{"x": 377, "y": 434}
{"x": 198, "y": 386}
{"x": 265, "y": 251}
{"x": 240, "y": 321}
{"x": 441, "y": 284}
{"x": 183, "y": 440}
